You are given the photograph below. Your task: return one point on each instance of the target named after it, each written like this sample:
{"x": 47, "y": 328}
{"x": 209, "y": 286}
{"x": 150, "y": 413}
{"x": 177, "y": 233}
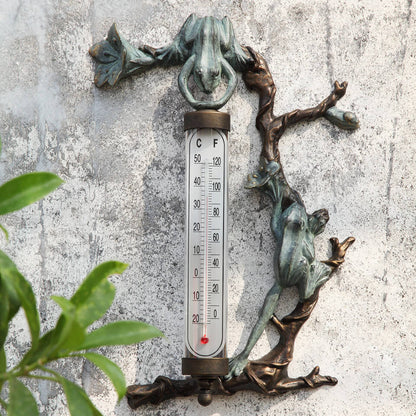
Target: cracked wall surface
{"x": 121, "y": 154}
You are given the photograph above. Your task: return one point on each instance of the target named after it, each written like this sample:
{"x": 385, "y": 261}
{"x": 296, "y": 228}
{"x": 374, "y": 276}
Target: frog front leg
{"x": 238, "y": 363}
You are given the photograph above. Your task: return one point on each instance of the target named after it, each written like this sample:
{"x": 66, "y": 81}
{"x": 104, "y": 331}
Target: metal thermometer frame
{"x": 193, "y": 363}
{"x": 206, "y": 224}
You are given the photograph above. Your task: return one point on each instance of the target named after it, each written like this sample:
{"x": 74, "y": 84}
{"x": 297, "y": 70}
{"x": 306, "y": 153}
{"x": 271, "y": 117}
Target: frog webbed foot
{"x": 236, "y": 366}
{"x": 338, "y": 251}
{"x": 262, "y": 176}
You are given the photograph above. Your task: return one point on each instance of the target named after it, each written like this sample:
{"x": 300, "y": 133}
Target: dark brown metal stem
{"x": 271, "y": 127}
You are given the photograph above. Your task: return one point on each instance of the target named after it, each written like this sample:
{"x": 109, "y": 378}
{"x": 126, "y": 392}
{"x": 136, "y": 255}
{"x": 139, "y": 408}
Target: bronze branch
{"x": 259, "y": 79}
{"x": 267, "y": 375}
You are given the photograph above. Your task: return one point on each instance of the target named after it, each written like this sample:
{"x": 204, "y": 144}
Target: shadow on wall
{"x": 162, "y": 244}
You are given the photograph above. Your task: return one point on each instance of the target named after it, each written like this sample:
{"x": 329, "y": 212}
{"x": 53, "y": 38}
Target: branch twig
{"x": 259, "y": 78}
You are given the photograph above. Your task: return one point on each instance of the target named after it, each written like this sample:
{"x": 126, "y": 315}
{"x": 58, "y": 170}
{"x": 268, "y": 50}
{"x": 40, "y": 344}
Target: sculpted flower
{"x": 116, "y": 58}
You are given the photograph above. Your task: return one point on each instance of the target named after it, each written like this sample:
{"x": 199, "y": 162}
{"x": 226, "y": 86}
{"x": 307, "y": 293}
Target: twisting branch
{"x": 268, "y": 375}
{"x": 259, "y": 78}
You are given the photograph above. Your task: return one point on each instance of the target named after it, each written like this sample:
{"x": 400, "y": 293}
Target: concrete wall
{"x": 121, "y": 155}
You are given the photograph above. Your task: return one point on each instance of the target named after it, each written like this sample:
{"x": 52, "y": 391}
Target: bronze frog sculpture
{"x": 206, "y": 47}
{"x": 208, "y": 50}
{"x": 294, "y": 258}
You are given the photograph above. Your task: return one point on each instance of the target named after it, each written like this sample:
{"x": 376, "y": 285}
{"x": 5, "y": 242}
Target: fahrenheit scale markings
{"x": 206, "y": 242}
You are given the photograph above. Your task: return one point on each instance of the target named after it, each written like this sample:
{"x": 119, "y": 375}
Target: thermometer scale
{"x": 206, "y": 246}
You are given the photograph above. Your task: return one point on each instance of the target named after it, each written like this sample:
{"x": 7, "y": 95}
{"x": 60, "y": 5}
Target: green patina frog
{"x": 206, "y": 47}
{"x": 294, "y": 258}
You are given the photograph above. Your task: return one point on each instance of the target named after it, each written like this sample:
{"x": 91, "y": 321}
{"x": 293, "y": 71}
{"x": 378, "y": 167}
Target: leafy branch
{"x": 69, "y": 338}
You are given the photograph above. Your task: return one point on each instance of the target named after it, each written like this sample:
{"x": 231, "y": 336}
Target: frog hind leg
{"x": 180, "y": 49}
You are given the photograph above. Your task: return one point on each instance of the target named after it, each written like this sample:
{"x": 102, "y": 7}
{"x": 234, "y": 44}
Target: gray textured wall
{"x": 121, "y": 155}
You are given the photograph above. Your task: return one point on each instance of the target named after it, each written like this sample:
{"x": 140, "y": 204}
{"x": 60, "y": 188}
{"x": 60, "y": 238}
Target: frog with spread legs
{"x": 206, "y": 47}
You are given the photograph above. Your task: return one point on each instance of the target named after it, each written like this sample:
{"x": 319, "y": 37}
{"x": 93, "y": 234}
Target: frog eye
{"x": 215, "y": 72}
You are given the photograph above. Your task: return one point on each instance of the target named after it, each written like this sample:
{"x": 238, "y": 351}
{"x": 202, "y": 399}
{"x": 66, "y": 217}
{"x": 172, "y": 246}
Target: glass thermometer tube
{"x": 206, "y": 244}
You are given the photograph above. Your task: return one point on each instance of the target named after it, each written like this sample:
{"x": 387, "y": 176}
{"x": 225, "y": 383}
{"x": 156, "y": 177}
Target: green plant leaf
{"x": 100, "y": 299}
{"x": 64, "y": 326}
{"x": 100, "y": 273}
{"x": 78, "y": 402}
{"x": 95, "y": 294}
{"x": 120, "y": 333}
{"x": 42, "y": 350}
{"x": 14, "y": 303}
{"x": 5, "y": 232}
{"x": 23, "y": 190}
{"x": 67, "y": 336}
{"x": 111, "y": 370}
{"x": 20, "y": 287}
{"x": 72, "y": 343}
{"x": 13, "y": 298}
{"x": 21, "y": 402}
{"x": 4, "y": 312}
{"x": 68, "y": 333}
{"x": 3, "y": 361}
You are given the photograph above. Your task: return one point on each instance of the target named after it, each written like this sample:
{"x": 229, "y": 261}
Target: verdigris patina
{"x": 294, "y": 259}
{"x": 208, "y": 51}
{"x": 206, "y": 47}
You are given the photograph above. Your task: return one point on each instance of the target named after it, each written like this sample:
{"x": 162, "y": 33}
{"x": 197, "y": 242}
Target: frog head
{"x": 212, "y": 53}
{"x": 317, "y": 221}
{"x": 207, "y": 78}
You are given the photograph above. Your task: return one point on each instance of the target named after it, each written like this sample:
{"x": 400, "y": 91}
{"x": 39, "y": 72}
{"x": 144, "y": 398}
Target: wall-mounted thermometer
{"x": 206, "y": 245}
